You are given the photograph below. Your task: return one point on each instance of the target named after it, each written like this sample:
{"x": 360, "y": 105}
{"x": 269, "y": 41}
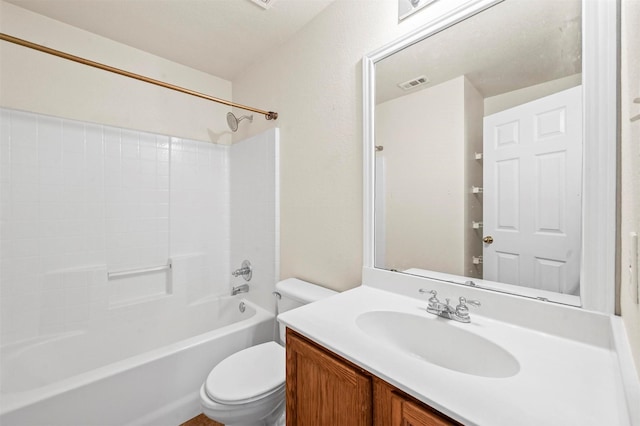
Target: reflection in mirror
{"x": 407, "y": 8}
{"x": 478, "y": 171}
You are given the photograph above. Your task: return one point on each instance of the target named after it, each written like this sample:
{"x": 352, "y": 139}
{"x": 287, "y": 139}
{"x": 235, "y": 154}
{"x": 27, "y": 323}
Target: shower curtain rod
{"x": 269, "y": 115}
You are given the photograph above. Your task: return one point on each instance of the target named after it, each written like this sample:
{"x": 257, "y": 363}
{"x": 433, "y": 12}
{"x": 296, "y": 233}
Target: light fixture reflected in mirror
{"x": 408, "y": 7}
{"x": 265, "y": 4}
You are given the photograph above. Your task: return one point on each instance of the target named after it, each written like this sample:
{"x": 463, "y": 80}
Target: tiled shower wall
{"x": 79, "y": 200}
{"x": 255, "y": 214}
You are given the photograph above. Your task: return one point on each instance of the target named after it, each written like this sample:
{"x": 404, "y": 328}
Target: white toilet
{"x": 247, "y": 388}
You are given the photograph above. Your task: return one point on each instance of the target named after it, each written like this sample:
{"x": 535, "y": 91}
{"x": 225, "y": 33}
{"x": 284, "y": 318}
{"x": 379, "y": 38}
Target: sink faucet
{"x": 244, "y": 288}
{"x": 445, "y": 310}
{"x": 436, "y": 307}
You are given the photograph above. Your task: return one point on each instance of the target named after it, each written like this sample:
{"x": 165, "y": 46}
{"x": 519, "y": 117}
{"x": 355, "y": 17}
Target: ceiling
{"x": 219, "y": 37}
{"x": 512, "y": 45}
{"x": 537, "y": 40}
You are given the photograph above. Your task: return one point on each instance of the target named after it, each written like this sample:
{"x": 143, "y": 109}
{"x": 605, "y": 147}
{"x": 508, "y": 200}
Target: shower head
{"x": 232, "y": 120}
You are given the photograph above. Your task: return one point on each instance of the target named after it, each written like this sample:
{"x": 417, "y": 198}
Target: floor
{"x": 201, "y": 420}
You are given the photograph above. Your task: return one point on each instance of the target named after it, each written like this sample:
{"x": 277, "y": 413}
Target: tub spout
{"x": 244, "y": 288}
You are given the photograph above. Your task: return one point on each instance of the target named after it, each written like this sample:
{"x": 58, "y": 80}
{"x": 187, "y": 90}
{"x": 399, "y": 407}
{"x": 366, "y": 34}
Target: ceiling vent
{"x": 266, "y": 4}
{"x": 414, "y": 82}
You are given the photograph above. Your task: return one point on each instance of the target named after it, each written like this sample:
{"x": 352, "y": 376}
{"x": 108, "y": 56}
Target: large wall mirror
{"x": 479, "y": 158}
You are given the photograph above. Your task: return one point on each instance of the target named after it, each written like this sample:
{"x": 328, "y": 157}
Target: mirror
{"x": 477, "y": 174}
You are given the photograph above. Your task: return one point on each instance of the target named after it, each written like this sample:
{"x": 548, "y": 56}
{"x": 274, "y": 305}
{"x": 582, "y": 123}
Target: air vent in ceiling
{"x": 414, "y": 82}
{"x": 264, "y": 3}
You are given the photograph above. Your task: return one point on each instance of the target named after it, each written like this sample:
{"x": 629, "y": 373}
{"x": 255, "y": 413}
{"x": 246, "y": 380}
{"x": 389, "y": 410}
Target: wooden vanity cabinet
{"x": 393, "y": 407}
{"x": 324, "y": 389}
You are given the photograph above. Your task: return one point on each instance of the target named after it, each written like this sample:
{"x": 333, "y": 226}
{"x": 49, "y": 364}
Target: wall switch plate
{"x": 633, "y": 267}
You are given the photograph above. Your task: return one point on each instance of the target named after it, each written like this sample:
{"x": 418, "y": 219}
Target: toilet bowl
{"x": 248, "y": 387}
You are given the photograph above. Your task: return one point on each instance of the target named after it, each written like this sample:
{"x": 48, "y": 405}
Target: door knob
{"x": 488, "y": 239}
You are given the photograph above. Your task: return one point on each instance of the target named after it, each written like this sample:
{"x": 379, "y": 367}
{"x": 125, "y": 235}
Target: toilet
{"x": 248, "y": 387}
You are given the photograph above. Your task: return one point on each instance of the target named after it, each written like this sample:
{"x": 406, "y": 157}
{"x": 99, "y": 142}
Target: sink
{"x": 438, "y": 342}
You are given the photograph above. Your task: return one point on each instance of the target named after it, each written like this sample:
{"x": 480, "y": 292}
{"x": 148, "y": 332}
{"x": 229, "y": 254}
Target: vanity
{"x": 489, "y": 162}
{"x": 324, "y": 388}
{"x": 375, "y": 356}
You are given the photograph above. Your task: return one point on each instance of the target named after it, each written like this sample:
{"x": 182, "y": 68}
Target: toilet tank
{"x": 295, "y": 293}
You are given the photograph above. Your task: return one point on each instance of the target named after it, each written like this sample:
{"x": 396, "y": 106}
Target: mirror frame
{"x": 600, "y": 94}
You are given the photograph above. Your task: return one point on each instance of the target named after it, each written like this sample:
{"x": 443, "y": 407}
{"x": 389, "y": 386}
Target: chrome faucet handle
{"x": 433, "y": 300}
{"x": 462, "y": 310}
{"x": 245, "y": 271}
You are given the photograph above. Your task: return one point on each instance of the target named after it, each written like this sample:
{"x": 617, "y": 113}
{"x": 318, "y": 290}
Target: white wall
{"x": 473, "y": 114}
{"x": 430, "y": 167}
{"x": 37, "y": 82}
{"x": 508, "y": 100}
{"x": 314, "y": 81}
{"x": 423, "y": 138}
{"x": 630, "y": 165}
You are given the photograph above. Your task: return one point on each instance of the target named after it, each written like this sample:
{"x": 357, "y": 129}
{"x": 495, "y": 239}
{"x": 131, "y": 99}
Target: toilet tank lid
{"x": 303, "y": 291}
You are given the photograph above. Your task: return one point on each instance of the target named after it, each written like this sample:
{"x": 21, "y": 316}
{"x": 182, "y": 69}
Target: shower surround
{"x": 80, "y": 201}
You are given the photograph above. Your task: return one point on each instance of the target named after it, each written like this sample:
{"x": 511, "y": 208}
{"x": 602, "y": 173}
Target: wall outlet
{"x": 633, "y": 267}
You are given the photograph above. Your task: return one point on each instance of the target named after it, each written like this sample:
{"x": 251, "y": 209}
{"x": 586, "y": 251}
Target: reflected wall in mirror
{"x": 478, "y": 171}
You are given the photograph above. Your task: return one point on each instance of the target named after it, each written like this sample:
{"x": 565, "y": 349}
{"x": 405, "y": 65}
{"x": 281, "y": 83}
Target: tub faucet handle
{"x": 245, "y": 271}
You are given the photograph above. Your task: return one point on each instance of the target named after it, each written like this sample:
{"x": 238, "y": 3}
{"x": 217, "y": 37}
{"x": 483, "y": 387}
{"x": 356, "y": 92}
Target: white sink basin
{"x": 436, "y": 341}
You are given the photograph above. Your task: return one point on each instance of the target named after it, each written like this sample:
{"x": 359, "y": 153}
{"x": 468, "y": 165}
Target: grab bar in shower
{"x": 128, "y": 272}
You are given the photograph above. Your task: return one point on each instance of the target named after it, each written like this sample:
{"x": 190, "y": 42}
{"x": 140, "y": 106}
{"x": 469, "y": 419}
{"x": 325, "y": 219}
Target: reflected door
{"x": 532, "y": 193}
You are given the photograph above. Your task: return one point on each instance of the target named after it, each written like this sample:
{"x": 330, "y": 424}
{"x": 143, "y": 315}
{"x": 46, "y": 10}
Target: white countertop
{"x": 561, "y": 381}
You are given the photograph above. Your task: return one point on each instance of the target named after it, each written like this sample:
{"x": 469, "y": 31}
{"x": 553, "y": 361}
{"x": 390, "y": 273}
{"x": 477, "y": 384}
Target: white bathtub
{"x": 129, "y": 377}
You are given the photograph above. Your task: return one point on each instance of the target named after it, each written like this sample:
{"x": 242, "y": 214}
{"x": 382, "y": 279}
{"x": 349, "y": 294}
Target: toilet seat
{"x": 250, "y": 375}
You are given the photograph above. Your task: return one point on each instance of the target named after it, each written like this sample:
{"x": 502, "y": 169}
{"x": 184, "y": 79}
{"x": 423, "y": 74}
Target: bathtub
{"x": 129, "y": 377}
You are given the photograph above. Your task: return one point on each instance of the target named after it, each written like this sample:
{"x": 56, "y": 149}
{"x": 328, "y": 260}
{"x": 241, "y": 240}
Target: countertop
{"x": 561, "y": 381}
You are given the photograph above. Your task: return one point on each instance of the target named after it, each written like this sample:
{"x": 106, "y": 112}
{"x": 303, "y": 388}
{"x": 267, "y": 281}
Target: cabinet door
{"x": 394, "y": 408}
{"x": 323, "y": 390}
{"x": 407, "y": 413}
